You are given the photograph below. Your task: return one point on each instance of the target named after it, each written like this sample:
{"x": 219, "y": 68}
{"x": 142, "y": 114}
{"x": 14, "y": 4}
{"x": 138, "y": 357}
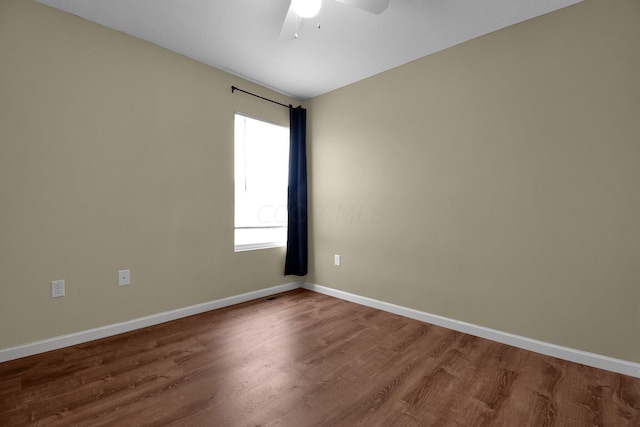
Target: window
{"x": 261, "y": 178}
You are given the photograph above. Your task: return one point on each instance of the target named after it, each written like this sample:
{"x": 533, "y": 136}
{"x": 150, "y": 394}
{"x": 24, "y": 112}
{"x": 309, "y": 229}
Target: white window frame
{"x": 260, "y": 218}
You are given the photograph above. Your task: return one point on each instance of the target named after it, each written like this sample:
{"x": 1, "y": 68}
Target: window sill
{"x": 256, "y": 246}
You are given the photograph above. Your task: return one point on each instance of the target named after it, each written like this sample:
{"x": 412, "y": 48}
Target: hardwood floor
{"x": 307, "y": 359}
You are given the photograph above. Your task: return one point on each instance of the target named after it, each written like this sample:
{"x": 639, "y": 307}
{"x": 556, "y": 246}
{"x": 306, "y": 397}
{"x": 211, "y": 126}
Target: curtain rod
{"x": 233, "y": 89}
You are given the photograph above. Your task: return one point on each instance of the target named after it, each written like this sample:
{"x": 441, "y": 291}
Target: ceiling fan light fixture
{"x": 306, "y": 8}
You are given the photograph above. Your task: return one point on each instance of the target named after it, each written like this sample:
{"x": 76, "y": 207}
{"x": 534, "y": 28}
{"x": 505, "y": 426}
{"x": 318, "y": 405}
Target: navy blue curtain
{"x": 297, "y": 256}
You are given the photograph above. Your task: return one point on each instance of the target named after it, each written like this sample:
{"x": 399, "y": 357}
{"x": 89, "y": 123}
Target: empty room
{"x": 398, "y": 213}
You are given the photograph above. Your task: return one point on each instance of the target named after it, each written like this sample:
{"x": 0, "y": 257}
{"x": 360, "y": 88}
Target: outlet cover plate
{"x": 57, "y": 288}
{"x": 124, "y": 277}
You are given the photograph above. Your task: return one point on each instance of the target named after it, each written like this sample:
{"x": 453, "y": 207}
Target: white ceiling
{"x": 242, "y": 36}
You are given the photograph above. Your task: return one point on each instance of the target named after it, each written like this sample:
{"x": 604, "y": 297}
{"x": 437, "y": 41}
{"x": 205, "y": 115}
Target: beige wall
{"x": 114, "y": 154}
{"x": 496, "y": 182}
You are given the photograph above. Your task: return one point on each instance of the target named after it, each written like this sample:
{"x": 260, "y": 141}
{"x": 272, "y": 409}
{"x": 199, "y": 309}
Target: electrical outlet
{"x": 124, "y": 277}
{"x": 57, "y": 288}
{"x": 337, "y": 259}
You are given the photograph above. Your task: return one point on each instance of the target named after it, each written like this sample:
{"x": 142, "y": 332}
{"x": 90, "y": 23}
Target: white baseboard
{"x": 55, "y": 343}
{"x": 565, "y": 353}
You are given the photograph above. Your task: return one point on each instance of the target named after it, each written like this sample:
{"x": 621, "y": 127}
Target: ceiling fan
{"x": 301, "y": 9}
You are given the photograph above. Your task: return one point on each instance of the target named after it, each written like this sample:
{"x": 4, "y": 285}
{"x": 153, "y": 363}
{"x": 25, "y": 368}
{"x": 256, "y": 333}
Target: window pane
{"x": 261, "y": 174}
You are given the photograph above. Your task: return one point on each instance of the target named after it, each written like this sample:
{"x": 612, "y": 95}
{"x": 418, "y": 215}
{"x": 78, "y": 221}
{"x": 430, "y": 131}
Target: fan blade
{"x": 288, "y": 30}
{"x": 373, "y": 6}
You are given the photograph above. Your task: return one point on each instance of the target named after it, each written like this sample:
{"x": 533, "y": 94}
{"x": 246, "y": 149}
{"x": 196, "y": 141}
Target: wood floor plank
{"x": 306, "y": 359}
